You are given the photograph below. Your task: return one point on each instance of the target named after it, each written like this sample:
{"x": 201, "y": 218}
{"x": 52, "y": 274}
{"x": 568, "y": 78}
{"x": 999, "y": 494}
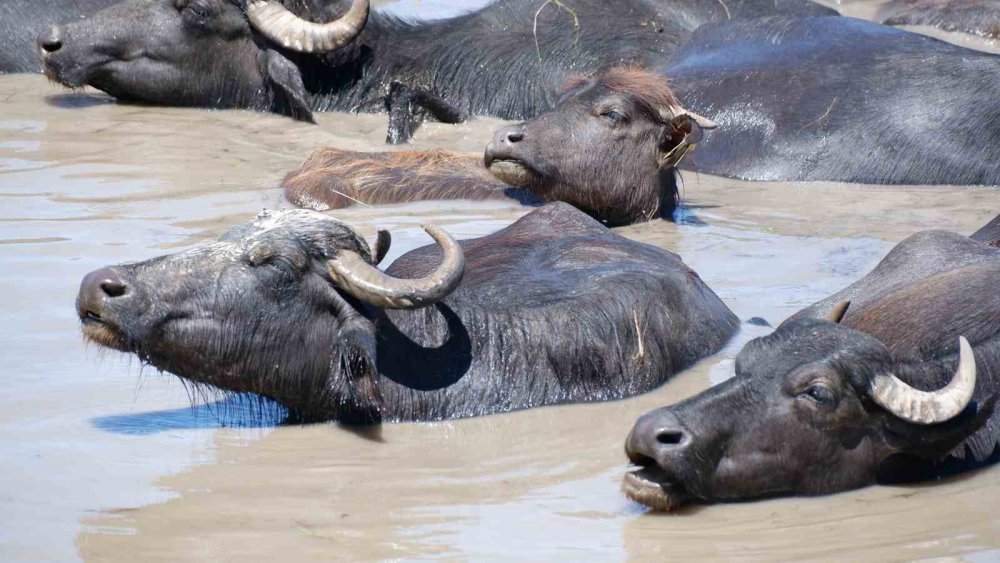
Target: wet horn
{"x": 929, "y": 407}
{"x": 673, "y": 111}
{"x": 356, "y": 276}
{"x": 283, "y": 27}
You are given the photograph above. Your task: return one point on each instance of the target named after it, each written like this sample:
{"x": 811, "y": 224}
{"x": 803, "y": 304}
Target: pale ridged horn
{"x": 673, "y": 111}
{"x": 356, "y": 276}
{"x": 276, "y": 23}
{"x": 929, "y": 407}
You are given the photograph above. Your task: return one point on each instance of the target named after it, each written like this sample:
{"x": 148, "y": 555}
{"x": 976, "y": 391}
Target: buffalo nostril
{"x": 670, "y": 437}
{"x": 52, "y": 45}
{"x": 515, "y": 136}
{"x": 51, "y": 40}
{"x": 113, "y": 288}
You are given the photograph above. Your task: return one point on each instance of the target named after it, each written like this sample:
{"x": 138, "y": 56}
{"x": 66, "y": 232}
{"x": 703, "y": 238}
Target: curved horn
{"x": 362, "y": 280}
{"x": 281, "y": 26}
{"x": 929, "y": 407}
{"x": 673, "y": 111}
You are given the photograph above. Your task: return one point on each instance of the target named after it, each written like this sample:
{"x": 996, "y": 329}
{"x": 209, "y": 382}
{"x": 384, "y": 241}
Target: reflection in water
{"x": 78, "y": 100}
{"x": 100, "y": 466}
{"x": 235, "y": 411}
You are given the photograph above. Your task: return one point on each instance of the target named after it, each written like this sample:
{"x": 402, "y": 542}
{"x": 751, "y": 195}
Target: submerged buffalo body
{"x": 505, "y": 60}
{"x": 21, "y": 21}
{"x": 841, "y": 99}
{"x": 608, "y": 148}
{"x": 907, "y": 377}
{"x": 553, "y": 309}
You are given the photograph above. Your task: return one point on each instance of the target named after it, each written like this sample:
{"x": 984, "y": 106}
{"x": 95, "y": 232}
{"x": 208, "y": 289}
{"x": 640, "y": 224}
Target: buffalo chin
{"x": 649, "y": 486}
{"x": 512, "y": 172}
{"x": 100, "y": 332}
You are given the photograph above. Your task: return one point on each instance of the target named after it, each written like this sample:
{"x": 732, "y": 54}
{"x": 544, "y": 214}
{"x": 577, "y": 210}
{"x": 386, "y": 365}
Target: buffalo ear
{"x": 382, "y": 244}
{"x": 838, "y": 311}
{"x": 679, "y": 137}
{"x": 353, "y": 375}
{"x": 286, "y": 84}
{"x": 352, "y": 379}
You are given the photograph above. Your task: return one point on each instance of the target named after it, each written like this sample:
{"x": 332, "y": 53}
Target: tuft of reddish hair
{"x": 648, "y": 89}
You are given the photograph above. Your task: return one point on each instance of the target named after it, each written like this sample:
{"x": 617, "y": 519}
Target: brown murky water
{"x": 103, "y": 460}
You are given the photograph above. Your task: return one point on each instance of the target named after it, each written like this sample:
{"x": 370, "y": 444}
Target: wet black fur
{"x": 978, "y": 17}
{"x": 484, "y": 63}
{"x": 553, "y": 309}
{"x": 841, "y": 99}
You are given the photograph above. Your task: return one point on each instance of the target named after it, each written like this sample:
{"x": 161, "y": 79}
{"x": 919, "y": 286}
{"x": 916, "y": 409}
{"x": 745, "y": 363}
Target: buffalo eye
{"x": 820, "y": 394}
{"x": 266, "y": 254}
{"x": 197, "y": 10}
{"x": 613, "y": 115}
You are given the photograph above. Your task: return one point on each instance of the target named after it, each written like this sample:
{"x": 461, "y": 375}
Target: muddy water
{"x": 104, "y": 460}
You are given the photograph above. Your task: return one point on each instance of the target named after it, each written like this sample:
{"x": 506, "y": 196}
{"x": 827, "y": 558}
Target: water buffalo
{"x": 841, "y": 99}
{"x": 22, "y": 20}
{"x": 978, "y": 17}
{"x": 609, "y": 148}
{"x": 504, "y": 60}
{"x": 553, "y": 309}
{"x": 878, "y": 382}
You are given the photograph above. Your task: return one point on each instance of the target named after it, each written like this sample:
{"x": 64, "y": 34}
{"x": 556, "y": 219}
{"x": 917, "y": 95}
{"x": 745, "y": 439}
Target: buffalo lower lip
{"x": 100, "y": 331}
{"x": 651, "y": 486}
{"x": 512, "y": 171}
{"x": 509, "y": 161}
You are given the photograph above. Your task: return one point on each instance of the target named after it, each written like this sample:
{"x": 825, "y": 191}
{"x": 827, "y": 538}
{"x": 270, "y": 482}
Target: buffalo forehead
{"x": 295, "y": 220}
{"x": 801, "y": 342}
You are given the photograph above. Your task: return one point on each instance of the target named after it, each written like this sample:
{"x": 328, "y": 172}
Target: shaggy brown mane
{"x": 649, "y": 90}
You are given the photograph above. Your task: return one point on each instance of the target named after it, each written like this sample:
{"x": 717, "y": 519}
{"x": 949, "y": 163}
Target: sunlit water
{"x": 104, "y": 460}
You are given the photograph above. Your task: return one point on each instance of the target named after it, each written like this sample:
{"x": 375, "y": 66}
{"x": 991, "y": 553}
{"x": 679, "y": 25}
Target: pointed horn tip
{"x": 678, "y": 111}
{"x": 367, "y": 283}
{"x": 431, "y": 229}
{"x": 439, "y": 235}
{"x": 703, "y": 122}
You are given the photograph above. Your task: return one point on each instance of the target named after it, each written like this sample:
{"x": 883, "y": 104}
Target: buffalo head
{"x": 281, "y": 307}
{"x": 815, "y": 407}
{"x": 207, "y": 53}
{"x": 609, "y": 147}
